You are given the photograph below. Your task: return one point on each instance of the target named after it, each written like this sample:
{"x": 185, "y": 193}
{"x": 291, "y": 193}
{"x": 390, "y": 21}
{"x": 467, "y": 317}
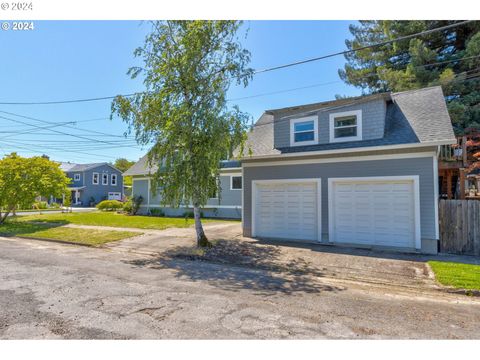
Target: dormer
{"x": 340, "y": 121}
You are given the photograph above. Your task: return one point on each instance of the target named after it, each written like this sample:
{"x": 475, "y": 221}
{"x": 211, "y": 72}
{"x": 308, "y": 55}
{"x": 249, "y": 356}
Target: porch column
{"x": 76, "y": 197}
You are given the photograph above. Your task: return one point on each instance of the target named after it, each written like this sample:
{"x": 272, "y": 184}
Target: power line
{"x": 345, "y": 52}
{"x": 56, "y": 131}
{"x": 406, "y": 37}
{"x": 340, "y": 81}
{"x": 52, "y": 122}
{"x": 457, "y": 78}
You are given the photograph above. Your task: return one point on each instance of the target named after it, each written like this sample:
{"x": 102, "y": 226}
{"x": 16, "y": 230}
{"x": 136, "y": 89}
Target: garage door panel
{"x": 373, "y": 212}
{"x": 290, "y": 210}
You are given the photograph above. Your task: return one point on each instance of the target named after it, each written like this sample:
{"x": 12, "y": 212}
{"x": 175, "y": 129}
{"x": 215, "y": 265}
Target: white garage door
{"x": 286, "y": 210}
{"x": 373, "y": 213}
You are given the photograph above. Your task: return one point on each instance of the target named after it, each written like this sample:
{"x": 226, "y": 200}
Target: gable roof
{"x": 72, "y": 167}
{"x": 412, "y": 117}
{"x": 141, "y": 166}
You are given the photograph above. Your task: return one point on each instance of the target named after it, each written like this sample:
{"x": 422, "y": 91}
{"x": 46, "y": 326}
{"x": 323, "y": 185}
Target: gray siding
{"x": 422, "y": 166}
{"x": 373, "y": 122}
{"x": 99, "y": 192}
{"x": 230, "y": 198}
{"x": 75, "y": 183}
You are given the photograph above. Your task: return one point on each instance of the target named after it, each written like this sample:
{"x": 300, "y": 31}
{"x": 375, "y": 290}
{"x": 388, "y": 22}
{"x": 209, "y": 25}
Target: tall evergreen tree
{"x": 450, "y": 58}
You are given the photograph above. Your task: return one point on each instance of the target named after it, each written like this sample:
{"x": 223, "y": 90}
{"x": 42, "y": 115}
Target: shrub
{"x": 109, "y": 205}
{"x": 128, "y": 206}
{"x": 156, "y": 212}
{"x": 41, "y": 205}
{"x": 136, "y": 202}
{"x": 55, "y": 205}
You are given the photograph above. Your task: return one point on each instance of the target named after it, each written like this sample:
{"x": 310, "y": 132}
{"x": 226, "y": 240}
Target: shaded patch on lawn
{"x": 59, "y": 233}
{"x": 237, "y": 264}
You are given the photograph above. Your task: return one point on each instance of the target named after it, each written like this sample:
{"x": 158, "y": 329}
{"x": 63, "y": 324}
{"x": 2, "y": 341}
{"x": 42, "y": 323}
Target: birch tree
{"x": 188, "y": 68}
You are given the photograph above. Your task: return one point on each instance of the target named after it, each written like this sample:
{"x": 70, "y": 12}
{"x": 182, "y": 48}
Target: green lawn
{"x": 61, "y": 233}
{"x": 461, "y": 276}
{"x": 112, "y": 219}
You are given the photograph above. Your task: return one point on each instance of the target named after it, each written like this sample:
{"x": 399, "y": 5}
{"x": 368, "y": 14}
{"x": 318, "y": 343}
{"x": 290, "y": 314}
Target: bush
{"x": 133, "y": 205}
{"x": 156, "y": 212}
{"x": 109, "y": 205}
{"x": 40, "y": 205}
{"x": 136, "y": 202}
{"x": 128, "y": 206}
{"x": 55, "y": 205}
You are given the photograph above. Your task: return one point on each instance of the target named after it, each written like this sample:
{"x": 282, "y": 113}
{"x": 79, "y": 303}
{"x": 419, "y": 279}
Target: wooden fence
{"x": 459, "y": 226}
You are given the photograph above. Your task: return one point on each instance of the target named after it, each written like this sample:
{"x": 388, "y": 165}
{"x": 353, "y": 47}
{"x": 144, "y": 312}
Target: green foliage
{"x": 188, "y": 68}
{"x": 128, "y": 206}
{"x": 40, "y": 205}
{"x": 109, "y": 205}
{"x": 23, "y": 179}
{"x": 404, "y": 65}
{"x": 123, "y": 164}
{"x": 157, "y": 212}
{"x": 136, "y": 202}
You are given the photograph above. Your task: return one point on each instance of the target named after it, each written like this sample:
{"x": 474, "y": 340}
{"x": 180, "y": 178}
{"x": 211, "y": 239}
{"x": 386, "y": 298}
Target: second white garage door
{"x": 373, "y": 212}
{"x": 288, "y": 210}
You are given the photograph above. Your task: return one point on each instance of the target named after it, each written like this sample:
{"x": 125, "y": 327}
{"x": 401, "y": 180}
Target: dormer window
{"x": 346, "y": 126}
{"x": 304, "y": 131}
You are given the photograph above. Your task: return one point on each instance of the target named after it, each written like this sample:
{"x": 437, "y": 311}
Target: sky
{"x": 64, "y": 60}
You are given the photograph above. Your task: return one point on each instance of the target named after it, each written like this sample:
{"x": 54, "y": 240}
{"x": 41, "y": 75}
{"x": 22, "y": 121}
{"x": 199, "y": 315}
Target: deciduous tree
{"x": 23, "y": 179}
{"x": 188, "y": 68}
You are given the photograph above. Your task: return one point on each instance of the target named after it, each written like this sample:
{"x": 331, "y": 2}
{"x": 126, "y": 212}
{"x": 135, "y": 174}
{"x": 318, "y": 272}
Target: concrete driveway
{"x": 128, "y": 290}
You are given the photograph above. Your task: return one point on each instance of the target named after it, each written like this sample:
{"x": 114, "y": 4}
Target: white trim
{"x": 315, "y": 130}
{"x": 436, "y": 196}
{"x": 341, "y": 159}
{"x": 318, "y": 181}
{"x": 111, "y": 179}
{"x": 332, "y": 116}
{"x": 93, "y": 178}
{"x": 76, "y": 177}
{"x": 350, "y": 150}
{"x": 230, "y": 170}
{"x": 103, "y": 177}
{"x": 230, "y": 173}
{"x": 231, "y": 182}
{"x": 190, "y": 206}
{"x": 416, "y": 200}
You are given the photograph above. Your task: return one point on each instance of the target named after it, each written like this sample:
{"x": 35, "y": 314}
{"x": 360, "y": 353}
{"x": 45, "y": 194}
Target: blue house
{"x": 92, "y": 183}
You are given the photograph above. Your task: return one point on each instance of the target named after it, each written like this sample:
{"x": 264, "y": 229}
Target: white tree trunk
{"x": 202, "y": 240}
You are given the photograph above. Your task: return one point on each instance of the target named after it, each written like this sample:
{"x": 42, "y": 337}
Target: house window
{"x": 114, "y": 179}
{"x": 235, "y": 183}
{"x": 346, "y": 126}
{"x": 95, "y": 178}
{"x": 76, "y": 177}
{"x": 304, "y": 131}
{"x": 104, "y": 179}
